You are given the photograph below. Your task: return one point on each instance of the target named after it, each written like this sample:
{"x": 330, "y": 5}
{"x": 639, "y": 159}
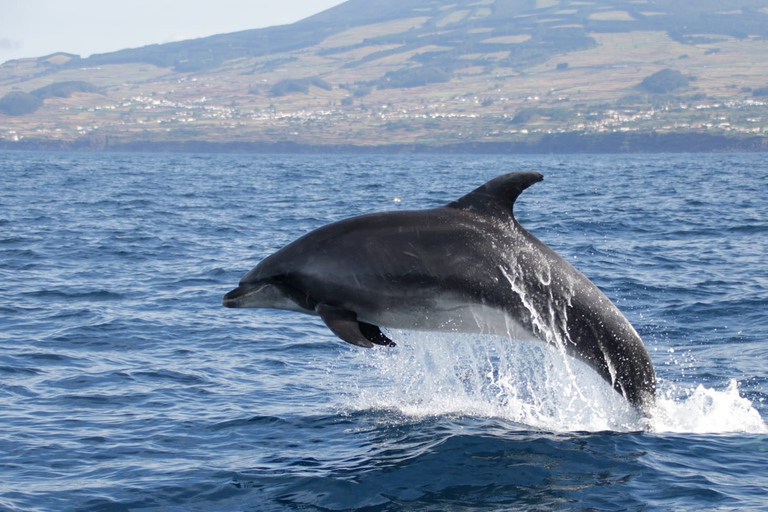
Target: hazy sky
{"x": 33, "y": 28}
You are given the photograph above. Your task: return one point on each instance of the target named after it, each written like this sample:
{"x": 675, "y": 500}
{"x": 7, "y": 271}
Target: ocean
{"x": 125, "y": 385}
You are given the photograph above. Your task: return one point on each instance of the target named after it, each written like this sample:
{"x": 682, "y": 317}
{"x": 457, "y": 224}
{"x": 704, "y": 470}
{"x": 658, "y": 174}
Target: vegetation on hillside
{"x": 17, "y": 103}
{"x": 664, "y": 81}
{"x": 412, "y": 77}
{"x": 463, "y": 42}
{"x": 291, "y": 85}
{"x": 64, "y": 89}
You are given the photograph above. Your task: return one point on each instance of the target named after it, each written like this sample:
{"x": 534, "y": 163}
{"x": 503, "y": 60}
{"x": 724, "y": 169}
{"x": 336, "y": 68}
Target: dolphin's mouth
{"x": 262, "y": 294}
{"x": 238, "y": 297}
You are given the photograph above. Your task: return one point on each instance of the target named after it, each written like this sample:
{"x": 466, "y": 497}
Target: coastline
{"x": 573, "y": 143}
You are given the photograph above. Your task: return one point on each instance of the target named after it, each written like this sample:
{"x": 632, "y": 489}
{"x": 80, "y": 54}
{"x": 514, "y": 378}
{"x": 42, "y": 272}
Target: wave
{"x": 86, "y": 295}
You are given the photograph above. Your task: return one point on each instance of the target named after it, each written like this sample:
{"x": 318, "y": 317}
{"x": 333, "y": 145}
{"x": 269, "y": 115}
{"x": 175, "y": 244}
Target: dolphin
{"x": 468, "y": 266}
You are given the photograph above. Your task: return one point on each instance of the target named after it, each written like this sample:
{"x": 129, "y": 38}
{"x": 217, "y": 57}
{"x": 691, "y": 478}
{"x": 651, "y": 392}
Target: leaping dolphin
{"x": 468, "y": 266}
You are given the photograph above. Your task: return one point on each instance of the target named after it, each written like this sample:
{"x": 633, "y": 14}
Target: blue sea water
{"x": 124, "y": 384}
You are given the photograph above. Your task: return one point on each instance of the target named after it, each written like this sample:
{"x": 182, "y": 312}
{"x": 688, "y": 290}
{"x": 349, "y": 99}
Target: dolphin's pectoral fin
{"x": 344, "y": 324}
{"x": 374, "y": 335}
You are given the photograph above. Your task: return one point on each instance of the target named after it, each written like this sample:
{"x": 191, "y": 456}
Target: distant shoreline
{"x": 631, "y": 142}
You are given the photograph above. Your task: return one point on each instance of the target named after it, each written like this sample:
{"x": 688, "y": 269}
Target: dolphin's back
{"x": 391, "y": 260}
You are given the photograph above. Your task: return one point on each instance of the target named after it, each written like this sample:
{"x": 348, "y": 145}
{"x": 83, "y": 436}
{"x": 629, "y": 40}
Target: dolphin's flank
{"x": 468, "y": 266}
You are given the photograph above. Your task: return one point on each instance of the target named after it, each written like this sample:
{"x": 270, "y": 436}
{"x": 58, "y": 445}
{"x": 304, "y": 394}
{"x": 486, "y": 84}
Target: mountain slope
{"x": 420, "y": 72}
{"x": 550, "y": 23}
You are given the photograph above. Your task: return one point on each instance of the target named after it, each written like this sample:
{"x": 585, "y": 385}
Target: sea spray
{"x": 526, "y": 382}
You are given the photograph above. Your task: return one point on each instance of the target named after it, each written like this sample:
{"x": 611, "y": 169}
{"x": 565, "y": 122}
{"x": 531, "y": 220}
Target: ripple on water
{"x": 126, "y": 386}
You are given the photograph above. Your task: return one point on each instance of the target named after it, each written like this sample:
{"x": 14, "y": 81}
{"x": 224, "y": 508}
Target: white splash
{"x": 526, "y": 382}
{"x": 707, "y": 410}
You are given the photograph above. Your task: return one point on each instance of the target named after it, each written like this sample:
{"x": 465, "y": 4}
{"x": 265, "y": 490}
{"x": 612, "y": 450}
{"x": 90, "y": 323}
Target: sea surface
{"x": 125, "y": 385}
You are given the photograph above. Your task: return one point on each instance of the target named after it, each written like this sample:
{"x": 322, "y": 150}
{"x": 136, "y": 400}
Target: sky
{"x": 34, "y": 28}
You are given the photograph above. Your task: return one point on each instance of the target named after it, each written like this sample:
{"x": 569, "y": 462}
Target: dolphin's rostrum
{"x": 468, "y": 266}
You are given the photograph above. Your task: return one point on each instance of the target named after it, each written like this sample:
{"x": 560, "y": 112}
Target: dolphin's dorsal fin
{"x": 498, "y": 196}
